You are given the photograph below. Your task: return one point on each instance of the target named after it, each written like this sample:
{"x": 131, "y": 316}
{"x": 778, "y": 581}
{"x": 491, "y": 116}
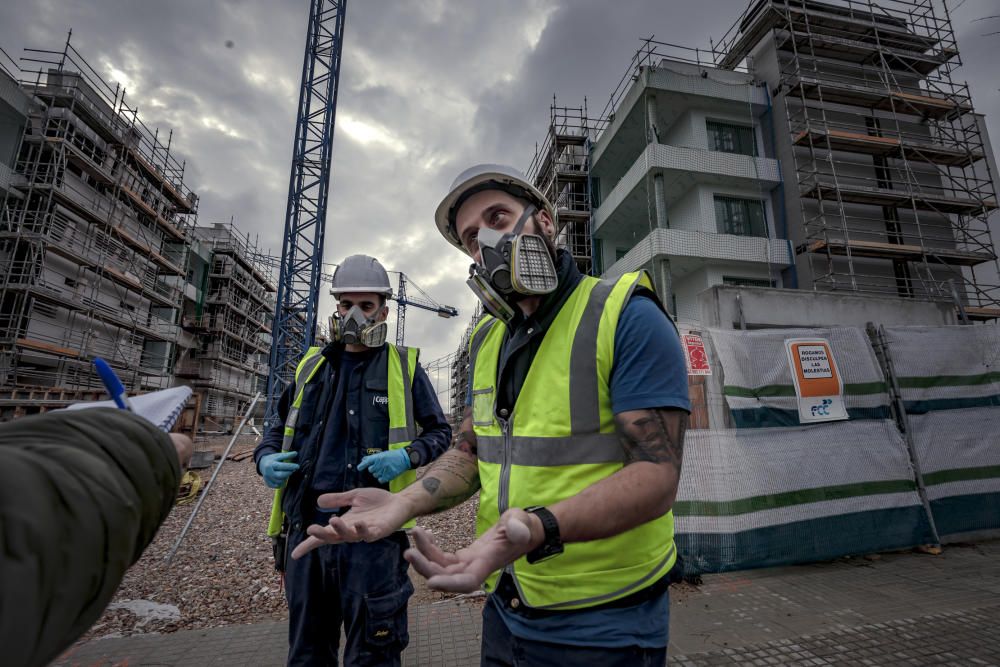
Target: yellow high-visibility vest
{"x": 558, "y": 440}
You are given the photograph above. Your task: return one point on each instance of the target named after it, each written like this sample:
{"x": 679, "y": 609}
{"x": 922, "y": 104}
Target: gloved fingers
{"x": 284, "y": 456}
{"x": 273, "y": 483}
{"x": 283, "y": 467}
{"x": 366, "y": 462}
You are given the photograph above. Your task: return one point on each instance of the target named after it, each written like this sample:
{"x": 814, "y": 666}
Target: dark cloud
{"x": 427, "y": 88}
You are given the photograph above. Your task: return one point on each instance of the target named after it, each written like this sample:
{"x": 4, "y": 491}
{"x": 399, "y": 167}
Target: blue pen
{"x": 112, "y": 384}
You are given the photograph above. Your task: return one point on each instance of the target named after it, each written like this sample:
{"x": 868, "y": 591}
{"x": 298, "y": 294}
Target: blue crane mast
{"x": 308, "y": 189}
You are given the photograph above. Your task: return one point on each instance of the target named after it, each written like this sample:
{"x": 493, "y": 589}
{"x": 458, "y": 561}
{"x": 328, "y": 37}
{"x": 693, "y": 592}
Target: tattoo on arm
{"x": 655, "y": 435}
{"x": 451, "y": 480}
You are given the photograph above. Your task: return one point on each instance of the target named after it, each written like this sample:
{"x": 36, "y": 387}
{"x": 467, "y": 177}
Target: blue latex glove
{"x": 386, "y": 466}
{"x": 274, "y": 469}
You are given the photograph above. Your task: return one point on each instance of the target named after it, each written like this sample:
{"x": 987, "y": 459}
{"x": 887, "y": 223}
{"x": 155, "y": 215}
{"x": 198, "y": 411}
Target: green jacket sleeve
{"x": 82, "y": 493}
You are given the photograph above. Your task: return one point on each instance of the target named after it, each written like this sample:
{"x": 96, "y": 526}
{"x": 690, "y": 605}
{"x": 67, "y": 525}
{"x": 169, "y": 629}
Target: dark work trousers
{"x": 364, "y": 586}
{"x": 502, "y": 649}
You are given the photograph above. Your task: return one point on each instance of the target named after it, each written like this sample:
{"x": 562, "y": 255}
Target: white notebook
{"x": 160, "y": 407}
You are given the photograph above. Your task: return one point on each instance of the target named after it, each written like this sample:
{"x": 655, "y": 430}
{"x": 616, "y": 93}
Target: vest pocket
{"x": 482, "y": 407}
{"x": 377, "y": 397}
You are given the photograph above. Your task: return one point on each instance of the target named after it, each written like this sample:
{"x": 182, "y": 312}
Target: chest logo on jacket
{"x": 380, "y": 400}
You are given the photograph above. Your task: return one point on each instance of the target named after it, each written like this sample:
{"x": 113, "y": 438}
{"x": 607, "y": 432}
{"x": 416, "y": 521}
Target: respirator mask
{"x": 355, "y": 328}
{"x": 512, "y": 265}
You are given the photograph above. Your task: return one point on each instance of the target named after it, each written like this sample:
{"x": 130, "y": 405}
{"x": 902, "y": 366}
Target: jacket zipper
{"x": 503, "y": 497}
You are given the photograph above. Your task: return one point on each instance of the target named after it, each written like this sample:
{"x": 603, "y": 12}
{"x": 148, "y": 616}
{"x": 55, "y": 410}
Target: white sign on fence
{"x": 818, "y": 384}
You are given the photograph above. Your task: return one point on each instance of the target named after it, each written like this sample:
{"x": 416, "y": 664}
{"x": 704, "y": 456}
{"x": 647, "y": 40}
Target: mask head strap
{"x": 529, "y": 211}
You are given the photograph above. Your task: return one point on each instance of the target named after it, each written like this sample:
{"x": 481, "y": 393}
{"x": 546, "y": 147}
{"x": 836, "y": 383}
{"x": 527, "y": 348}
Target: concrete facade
{"x": 658, "y": 181}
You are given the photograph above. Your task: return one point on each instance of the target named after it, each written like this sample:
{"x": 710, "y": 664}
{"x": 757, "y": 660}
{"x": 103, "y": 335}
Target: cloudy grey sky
{"x": 427, "y": 88}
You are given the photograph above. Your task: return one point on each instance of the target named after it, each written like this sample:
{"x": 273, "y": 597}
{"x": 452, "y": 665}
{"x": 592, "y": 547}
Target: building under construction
{"x": 226, "y": 320}
{"x": 560, "y": 169}
{"x": 888, "y": 170}
{"x": 819, "y": 145}
{"x": 100, "y": 254}
{"x": 92, "y": 235}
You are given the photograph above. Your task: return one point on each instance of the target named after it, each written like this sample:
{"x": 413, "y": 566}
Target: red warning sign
{"x": 697, "y": 357}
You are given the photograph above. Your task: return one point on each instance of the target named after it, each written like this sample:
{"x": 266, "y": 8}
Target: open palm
{"x": 465, "y": 570}
{"x": 374, "y": 514}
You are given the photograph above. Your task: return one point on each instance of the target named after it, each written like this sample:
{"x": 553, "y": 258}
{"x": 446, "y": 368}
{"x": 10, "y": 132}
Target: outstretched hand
{"x": 374, "y": 514}
{"x": 465, "y": 570}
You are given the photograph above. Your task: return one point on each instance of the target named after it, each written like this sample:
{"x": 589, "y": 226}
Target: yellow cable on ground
{"x": 190, "y": 486}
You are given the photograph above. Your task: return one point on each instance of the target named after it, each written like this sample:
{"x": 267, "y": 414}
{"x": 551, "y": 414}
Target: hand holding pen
{"x": 114, "y": 386}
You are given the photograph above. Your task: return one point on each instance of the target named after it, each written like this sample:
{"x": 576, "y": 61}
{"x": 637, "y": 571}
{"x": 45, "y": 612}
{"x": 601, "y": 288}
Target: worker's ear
{"x": 546, "y": 226}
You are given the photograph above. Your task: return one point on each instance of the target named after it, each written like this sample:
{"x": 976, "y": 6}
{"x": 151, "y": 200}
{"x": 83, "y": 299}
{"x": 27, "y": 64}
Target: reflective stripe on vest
{"x": 560, "y": 439}
{"x": 304, "y": 372}
{"x": 402, "y": 426}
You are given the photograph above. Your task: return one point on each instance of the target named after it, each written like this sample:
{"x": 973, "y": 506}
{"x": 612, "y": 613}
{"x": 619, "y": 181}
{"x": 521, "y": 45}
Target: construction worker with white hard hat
{"x": 360, "y": 414}
{"x": 573, "y": 433}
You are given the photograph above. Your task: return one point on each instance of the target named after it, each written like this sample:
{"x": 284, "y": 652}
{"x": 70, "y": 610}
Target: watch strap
{"x": 552, "y": 543}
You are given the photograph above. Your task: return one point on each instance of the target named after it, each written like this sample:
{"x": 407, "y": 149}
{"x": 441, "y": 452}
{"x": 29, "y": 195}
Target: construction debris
{"x": 240, "y": 456}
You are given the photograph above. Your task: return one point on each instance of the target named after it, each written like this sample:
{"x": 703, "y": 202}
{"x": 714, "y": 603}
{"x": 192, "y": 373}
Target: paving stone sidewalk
{"x": 897, "y": 609}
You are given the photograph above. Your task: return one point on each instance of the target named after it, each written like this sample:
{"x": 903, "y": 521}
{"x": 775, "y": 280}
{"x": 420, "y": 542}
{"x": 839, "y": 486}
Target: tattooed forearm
{"x": 451, "y": 480}
{"x": 655, "y": 435}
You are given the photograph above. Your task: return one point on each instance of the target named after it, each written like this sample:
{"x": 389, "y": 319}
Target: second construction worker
{"x": 349, "y": 420}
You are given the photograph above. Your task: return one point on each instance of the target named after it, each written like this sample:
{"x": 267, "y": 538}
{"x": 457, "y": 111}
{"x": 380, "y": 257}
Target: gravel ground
{"x": 223, "y": 573}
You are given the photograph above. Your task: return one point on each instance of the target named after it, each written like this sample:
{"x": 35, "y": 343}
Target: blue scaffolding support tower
{"x": 308, "y": 189}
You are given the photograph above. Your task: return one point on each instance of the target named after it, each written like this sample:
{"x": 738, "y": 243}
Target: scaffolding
{"x": 92, "y": 236}
{"x": 560, "y": 169}
{"x": 230, "y": 318}
{"x": 439, "y": 372}
{"x": 895, "y": 189}
{"x": 458, "y": 363}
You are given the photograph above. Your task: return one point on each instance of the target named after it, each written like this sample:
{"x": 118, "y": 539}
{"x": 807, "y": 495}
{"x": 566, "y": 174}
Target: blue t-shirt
{"x": 649, "y": 371}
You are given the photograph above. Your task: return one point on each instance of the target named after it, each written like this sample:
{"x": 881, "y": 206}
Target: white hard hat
{"x": 360, "y": 273}
{"x": 485, "y": 177}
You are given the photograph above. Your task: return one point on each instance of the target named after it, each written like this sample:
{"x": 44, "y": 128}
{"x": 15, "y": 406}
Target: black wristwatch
{"x": 552, "y": 545}
{"x": 414, "y": 456}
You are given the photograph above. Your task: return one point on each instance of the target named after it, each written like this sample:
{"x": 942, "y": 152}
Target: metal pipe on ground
{"x": 215, "y": 473}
